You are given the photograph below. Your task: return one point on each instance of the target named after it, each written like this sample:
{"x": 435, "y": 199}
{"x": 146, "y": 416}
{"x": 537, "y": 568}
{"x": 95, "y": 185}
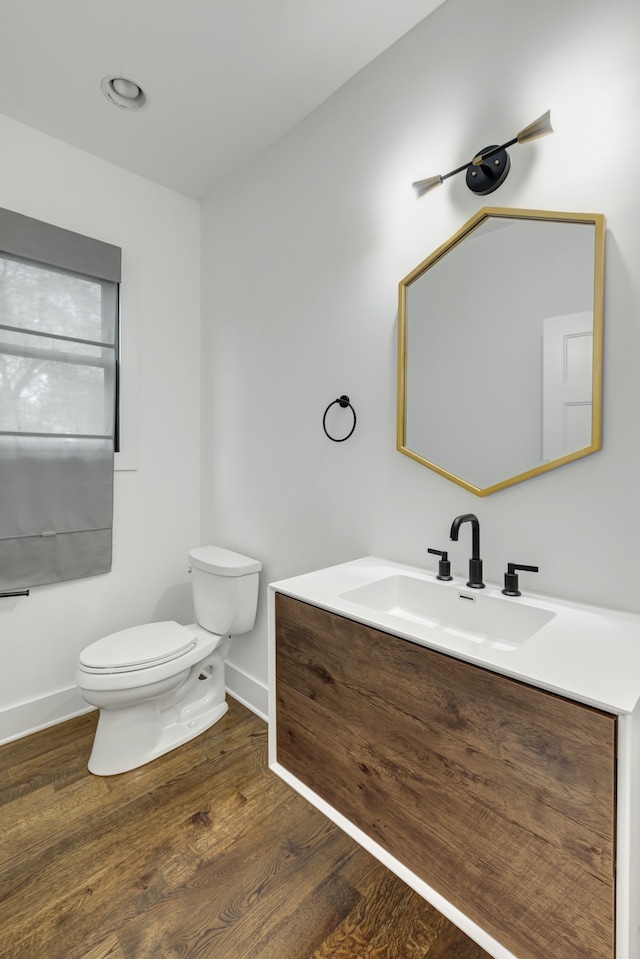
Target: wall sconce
{"x": 490, "y": 167}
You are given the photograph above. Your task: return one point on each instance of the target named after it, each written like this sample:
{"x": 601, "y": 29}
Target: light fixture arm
{"x": 488, "y": 154}
{"x": 479, "y": 160}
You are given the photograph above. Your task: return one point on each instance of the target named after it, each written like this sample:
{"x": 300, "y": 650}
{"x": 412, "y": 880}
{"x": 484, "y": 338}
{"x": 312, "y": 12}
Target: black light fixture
{"x": 490, "y": 167}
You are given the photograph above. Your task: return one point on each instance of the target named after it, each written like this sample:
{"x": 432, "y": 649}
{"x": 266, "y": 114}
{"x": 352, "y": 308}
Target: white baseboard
{"x": 247, "y": 691}
{"x": 26, "y": 718}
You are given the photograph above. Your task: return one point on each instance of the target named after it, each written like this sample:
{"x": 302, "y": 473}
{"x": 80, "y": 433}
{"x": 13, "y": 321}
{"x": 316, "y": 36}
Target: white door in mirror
{"x": 567, "y": 384}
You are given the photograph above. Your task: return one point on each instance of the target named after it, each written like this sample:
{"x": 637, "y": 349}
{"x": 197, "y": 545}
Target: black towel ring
{"x": 343, "y": 402}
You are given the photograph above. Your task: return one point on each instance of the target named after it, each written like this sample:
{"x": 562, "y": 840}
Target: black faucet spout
{"x": 475, "y": 563}
{"x": 475, "y": 531}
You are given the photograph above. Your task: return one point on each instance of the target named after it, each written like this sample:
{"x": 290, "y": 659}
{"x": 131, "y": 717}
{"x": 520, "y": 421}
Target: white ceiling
{"x": 225, "y": 78}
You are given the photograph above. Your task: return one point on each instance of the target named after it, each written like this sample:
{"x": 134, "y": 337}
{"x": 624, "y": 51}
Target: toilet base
{"x": 133, "y": 735}
{"x": 132, "y": 752}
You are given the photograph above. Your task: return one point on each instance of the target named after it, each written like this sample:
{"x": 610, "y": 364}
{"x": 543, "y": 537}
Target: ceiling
{"x": 224, "y": 78}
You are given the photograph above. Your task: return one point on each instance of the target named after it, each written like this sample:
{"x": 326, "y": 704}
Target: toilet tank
{"x": 225, "y": 589}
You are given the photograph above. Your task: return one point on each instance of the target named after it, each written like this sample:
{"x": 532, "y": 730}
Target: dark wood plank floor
{"x": 202, "y": 854}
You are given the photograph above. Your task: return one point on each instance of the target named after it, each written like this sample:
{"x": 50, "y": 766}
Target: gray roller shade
{"x": 58, "y": 332}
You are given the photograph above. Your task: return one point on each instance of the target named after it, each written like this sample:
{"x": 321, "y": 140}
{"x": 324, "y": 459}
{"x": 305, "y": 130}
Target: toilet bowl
{"x": 161, "y": 684}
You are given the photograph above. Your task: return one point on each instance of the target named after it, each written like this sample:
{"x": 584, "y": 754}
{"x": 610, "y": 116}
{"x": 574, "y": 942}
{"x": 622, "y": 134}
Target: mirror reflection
{"x": 500, "y": 357}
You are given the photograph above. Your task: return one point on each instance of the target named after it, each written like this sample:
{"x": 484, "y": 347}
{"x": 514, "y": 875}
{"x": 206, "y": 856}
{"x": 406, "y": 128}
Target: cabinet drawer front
{"x": 497, "y": 794}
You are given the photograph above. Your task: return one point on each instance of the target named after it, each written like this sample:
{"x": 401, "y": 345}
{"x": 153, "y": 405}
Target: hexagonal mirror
{"x": 500, "y": 348}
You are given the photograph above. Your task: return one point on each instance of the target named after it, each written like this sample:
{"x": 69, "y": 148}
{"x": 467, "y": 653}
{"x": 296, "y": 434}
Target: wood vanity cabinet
{"x": 498, "y": 795}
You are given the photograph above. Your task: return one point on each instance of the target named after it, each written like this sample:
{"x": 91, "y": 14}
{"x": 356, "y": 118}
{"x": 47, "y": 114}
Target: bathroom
{"x": 281, "y": 284}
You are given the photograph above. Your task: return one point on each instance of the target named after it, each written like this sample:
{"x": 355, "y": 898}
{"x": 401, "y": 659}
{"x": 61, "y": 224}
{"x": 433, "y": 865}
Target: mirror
{"x": 500, "y": 348}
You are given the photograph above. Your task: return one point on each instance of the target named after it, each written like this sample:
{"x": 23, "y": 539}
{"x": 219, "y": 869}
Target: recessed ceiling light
{"x": 124, "y": 93}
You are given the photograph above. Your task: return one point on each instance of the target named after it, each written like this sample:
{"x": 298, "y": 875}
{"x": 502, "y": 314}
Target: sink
{"x": 585, "y": 653}
{"x": 464, "y": 613}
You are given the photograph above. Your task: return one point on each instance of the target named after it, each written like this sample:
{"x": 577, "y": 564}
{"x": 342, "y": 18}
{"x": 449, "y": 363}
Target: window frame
{"x": 109, "y": 302}
{"x": 24, "y": 237}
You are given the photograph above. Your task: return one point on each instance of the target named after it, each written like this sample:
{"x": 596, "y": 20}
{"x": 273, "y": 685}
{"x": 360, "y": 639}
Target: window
{"x": 58, "y": 368}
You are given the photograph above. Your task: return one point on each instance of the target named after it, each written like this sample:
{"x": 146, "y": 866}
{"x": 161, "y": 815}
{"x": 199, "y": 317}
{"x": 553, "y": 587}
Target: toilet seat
{"x": 136, "y": 648}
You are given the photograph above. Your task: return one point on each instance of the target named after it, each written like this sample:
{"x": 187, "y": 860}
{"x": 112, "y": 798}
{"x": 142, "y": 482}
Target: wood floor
{"x": 202, "y": 854}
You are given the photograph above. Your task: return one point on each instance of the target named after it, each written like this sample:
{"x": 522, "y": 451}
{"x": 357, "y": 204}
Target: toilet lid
{"x": 223, "y": 562}
{"x": 138, "y": 647}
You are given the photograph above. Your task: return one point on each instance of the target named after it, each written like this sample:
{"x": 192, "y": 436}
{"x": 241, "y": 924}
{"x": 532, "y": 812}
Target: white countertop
{"x": 586, "y": 653}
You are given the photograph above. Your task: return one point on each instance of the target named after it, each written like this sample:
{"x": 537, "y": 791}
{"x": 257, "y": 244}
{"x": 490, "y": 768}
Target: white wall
{"x": 156, "y": 511}
{"x": 302, "y": 254}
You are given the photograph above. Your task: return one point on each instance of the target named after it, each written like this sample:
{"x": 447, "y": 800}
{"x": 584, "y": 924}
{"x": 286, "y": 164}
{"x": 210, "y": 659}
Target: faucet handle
{"x": 511, "y": 578}
{"x": 444, "y": 566}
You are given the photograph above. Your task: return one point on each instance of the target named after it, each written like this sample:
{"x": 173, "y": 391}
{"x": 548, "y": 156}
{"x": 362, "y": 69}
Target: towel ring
{"x": 343, "y": 402}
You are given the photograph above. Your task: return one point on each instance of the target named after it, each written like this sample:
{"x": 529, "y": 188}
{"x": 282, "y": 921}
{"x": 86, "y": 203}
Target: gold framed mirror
{"x": 500, "y": 348}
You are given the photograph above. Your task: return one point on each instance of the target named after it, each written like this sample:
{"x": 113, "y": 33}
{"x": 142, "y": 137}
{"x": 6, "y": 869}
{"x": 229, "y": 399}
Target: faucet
{"x": 475, "y": 563}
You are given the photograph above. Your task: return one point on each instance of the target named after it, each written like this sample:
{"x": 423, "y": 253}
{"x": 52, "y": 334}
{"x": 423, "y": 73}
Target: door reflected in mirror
{"x": 500, "y": 348}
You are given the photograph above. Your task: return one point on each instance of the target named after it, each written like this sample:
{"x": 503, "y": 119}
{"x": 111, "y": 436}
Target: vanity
{"x": 485, "y": 748}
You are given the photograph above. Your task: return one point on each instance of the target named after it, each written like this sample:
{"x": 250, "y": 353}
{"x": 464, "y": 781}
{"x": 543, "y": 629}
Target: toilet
{"x": 161, "y": 684}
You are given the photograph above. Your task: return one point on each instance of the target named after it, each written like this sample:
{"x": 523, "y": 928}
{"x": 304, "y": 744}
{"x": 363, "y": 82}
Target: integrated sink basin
{"x": 453, "y": 611}
{"x": 586, "y": 653}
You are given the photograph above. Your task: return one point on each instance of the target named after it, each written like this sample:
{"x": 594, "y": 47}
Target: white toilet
{"x": 159, "y": 685}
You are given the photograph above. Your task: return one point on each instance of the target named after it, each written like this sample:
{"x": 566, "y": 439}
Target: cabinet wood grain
{"x": 499, "y": 795}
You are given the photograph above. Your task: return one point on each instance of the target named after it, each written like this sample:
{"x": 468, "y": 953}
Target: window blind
{"x": 58, "y": 335}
